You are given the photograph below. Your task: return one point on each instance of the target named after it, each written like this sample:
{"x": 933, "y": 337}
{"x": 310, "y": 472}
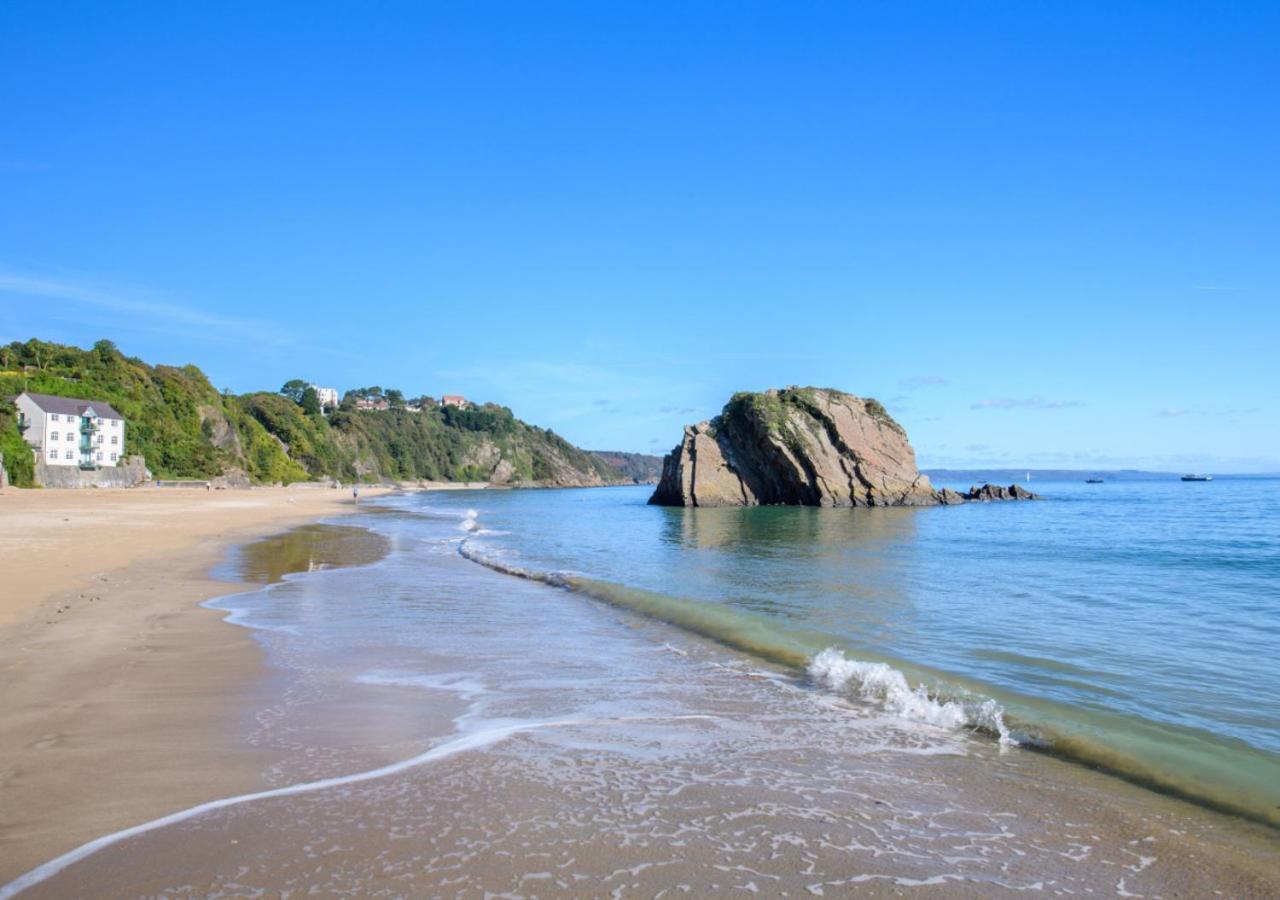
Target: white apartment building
{"x": 67, "y": 431}
{"x": 327, "y": 396}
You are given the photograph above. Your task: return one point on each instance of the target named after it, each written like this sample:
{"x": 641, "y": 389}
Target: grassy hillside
{"x": 187, "y": 429}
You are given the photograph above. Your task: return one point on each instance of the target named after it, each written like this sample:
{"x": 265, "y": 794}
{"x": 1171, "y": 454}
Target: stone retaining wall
{"x": 133, "y": 471}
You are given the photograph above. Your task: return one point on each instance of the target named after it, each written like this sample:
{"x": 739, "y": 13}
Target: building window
{"x": 53, "y": 417}
{"x": 113, "y": 457}
{"x": 69, "y": 455}
{"x": 99, "y": 457}
{"x": 98, "y": 439}
{"x": 115, "y": 438}
{"x": 115, "y": 423}
{"x": 71, "y": 436}
{"x": 53, "y": 435}
{"x": 53, "y": 454}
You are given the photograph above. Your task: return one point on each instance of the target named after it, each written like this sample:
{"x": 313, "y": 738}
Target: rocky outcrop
{"x": 215, "y": 426}
{"x": 990, "y": 492}
{"x": 805, "y": 447}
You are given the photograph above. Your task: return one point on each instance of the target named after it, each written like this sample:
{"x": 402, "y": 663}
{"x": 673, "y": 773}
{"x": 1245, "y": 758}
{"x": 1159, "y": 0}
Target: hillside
{"x": 640, "y": 468}
{"x": 187, "y": 429}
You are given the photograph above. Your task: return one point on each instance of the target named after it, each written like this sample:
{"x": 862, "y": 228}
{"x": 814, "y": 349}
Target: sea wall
{"x": 133, "y": 471}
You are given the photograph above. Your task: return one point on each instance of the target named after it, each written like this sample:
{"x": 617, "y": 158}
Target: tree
{"x": 294, "y": 389}
{"x": 395, "y": 398}
{"x": 364, "y": 393}
{"x": 106, "y": 350}
{"x": 310, "y": 401}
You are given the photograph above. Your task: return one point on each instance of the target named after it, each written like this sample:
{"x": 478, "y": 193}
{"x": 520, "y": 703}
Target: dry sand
{"x": 119, "y": 694}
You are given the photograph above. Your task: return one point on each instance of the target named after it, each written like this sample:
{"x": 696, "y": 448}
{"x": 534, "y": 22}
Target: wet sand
{"x": 122, "y": 699}
{"x": 702, "y": 806}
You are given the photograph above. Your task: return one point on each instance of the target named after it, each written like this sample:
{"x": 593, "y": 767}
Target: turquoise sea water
{"x": 1134, "y": 626}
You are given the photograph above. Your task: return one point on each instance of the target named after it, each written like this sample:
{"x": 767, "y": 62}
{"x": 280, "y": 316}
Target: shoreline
{"x": 122, "y": 695}
{"x": 450, "y": 742}
{"x": 145, "y": 715}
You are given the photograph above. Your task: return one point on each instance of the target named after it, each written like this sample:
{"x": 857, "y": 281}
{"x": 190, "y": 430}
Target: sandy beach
{"x": 119, "y": 693}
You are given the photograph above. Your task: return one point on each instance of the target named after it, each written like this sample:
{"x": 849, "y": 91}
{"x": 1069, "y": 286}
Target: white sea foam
{"x": 460, "y": 683}
{"x": 469, "y": 521}
{"x": 880, "y": 683}
{"x": 472, "y": 740}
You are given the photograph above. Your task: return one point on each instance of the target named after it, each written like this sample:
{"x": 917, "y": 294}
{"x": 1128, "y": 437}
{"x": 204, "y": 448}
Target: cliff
{"x": 806, "y": 447}
{"x": 185, "y": 428}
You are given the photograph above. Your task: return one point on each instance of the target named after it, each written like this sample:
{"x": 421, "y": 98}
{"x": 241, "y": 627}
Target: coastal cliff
{"x": 803, "y": 447}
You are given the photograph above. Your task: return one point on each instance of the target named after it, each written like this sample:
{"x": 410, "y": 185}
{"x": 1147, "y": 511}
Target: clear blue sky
{"x": 1043, "y": 235}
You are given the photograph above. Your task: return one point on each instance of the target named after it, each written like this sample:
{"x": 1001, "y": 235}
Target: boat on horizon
{"x": 1093, "y": 481}
{"x": 1197, "y": 478}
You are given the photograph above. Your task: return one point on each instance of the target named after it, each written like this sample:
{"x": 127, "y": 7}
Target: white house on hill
{"x": 327, "y": 396}
{"x": 67, "y": 431}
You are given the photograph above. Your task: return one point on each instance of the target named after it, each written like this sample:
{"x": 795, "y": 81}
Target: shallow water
{"x": 308, "y": 548}
{"x": 1134, "y": 625}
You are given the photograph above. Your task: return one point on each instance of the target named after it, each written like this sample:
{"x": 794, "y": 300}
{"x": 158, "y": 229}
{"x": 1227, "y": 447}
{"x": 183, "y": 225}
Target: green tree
{"x": 106, "y": 350}
{"x": 310, "y": 402}
{"x": 395, "y": 398}
{"x": 294, "y": 388}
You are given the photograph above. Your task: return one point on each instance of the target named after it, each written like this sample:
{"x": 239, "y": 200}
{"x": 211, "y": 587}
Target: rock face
{"x": 805, "y": 447}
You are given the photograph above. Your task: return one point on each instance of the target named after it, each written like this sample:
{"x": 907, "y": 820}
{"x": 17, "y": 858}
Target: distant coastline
{"x": 1002, "y": 475}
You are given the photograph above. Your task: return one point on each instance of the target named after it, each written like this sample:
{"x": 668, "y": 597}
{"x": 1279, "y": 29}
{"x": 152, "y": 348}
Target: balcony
{"x": 86, "y": 426}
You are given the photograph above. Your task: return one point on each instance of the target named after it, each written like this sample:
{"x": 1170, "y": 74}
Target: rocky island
{"x": 803, "y": 446}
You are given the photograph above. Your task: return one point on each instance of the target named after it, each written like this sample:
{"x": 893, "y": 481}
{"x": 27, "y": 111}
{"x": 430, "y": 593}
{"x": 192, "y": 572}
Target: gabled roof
{"x": 72, "y": 406}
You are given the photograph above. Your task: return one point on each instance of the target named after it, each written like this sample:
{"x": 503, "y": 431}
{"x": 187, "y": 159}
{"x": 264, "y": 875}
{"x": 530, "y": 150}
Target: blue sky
{"x": 1042, "y": 236}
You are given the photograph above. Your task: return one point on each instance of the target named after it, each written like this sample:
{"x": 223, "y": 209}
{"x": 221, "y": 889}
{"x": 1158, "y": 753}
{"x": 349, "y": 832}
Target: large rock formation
{"x": 802, "y": 446}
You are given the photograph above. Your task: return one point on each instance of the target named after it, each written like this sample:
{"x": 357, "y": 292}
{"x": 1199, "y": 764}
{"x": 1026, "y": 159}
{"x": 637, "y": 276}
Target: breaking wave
{"x": 881, "y": 683}
{"x": 872, "y": 681}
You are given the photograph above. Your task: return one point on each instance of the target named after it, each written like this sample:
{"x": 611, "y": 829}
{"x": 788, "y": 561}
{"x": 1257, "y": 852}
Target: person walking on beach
{"x": 355, "y": 494}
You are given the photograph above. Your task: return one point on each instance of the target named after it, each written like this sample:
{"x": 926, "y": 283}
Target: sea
{"x": 574, "y": 693}
{"x": 1133, "y": 625}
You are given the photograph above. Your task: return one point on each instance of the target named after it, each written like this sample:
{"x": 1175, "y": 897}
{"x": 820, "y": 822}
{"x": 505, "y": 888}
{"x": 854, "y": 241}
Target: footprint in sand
{"x": 47, "y": 741}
